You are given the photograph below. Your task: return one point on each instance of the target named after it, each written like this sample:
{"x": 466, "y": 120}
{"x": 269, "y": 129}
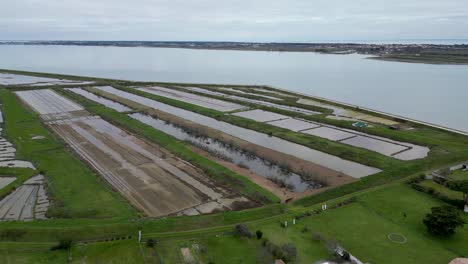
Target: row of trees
{"x": 287, "y": 252}
{"x": 444, "y": 220}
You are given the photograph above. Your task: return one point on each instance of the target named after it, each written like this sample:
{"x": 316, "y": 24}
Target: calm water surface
{"x": 431, "y": 93}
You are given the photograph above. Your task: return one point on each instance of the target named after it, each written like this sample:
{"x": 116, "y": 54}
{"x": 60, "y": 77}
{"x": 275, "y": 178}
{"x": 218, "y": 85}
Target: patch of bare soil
{"x": 151, "y": 178}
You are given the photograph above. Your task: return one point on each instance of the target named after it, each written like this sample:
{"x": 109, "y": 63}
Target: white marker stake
{"x": 285, "y": 223}
{"x": 139, "y": 236}
{"x": 294, "y": 221}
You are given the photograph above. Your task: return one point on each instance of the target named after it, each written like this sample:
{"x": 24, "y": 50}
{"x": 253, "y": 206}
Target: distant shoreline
{"x": 455, "y": 54}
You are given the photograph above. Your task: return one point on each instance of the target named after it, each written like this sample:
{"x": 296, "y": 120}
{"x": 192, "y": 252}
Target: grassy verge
{"x": 425, "y": 58}
{"x": 21, "y": 174}
{"x": 361, "y": 227}
{"x": 75, "y": 191}
{"x": 459, "y": 175}
{"x": 219, "y": 173}
{"x": 442, "y": 189}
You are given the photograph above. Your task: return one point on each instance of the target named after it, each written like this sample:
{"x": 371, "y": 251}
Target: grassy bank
{"x": 21, "y": 174}
{"x": 361, "y": 227}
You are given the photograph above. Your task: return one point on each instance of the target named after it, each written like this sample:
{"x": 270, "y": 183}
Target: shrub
{"x": 431, "y": 191}
{"x": 242, "y": 230}
{"x": 317, "y": 236}
{"x": 418, "y": 179}
{"x": 259, "y": 234}
{"x": 443, "y": 220}
{"x": 289, "y": 252}
{"x": 12, "y": 234}
{"x": 151, "y": 243}
{"x": 64, "y": 244}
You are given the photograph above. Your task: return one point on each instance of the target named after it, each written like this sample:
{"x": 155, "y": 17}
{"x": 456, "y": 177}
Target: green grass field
{"x": 459, "y": 175}
{"x": 361, "y": 227}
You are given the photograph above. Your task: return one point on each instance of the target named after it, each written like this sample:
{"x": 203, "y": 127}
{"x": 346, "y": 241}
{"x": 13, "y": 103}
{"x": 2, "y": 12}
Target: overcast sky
{"x": 230, "y": 20}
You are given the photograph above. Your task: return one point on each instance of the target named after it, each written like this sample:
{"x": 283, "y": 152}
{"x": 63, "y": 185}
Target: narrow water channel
{"x": 259, "y": 166}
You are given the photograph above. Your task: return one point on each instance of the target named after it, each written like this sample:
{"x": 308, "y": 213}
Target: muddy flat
{"x": 47, "y": 101}
{"x": 4, "y": 181}
{"x": 151, "y": 178}
{"x": 100, "y": 100}
{"x": 203, "y": 101}
{"x": 247, "y": 93}
{"x": 17, "y": 79}
{"x": 253, "y": 101}
{"x": 329, "y": 133}
{"x": 27, "y": 202}
{"x": 261, "y": 115}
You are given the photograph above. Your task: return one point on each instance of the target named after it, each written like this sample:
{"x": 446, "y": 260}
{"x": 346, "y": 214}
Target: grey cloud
{"x": 255, "y": 20}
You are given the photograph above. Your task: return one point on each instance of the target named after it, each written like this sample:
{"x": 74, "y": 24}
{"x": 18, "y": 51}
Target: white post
{"x": 285, "y": 223}
{"x": 325, "y": 206}
{"x": 139, "y": 236}
{"x": 294, "y": 221}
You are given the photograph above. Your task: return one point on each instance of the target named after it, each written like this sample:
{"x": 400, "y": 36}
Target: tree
{"x": 460, "y": 186}
{"x": 289, "y": 251}
{"x": 446, "y": 172}
{"x": 443, "y": 220}
{"x": 151, "y": 243}
{"x": 242, "y": 230}
{"x": 64, "y": 244}
{"x": 259, "y": 234}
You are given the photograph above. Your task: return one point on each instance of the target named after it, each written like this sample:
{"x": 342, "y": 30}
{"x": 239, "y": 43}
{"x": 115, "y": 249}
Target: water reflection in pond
{"x": 227, "y": 151}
